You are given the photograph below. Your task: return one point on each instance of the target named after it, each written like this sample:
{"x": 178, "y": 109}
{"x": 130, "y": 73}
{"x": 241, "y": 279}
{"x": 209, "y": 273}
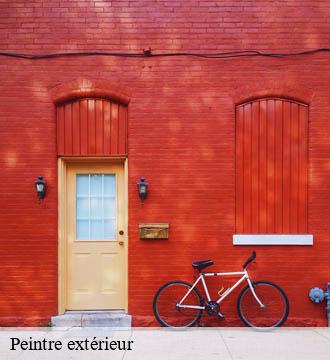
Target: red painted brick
{"x": 181, "y": 128}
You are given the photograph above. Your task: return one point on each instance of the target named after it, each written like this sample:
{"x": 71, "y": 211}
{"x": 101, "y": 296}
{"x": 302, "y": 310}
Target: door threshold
{"x": 115, "y": 311}
{"x": 93, "y": 318}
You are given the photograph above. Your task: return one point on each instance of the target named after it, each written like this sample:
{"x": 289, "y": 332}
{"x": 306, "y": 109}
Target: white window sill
{"x": 250, "y": 239}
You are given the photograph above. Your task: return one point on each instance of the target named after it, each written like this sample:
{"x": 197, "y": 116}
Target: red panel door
{"x": 271, "y": 167}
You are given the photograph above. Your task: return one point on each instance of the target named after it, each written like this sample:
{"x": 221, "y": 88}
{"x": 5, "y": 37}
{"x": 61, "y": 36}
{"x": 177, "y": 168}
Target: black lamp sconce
{"x": 142, "y": 186}
{"x": 40, "y": 185}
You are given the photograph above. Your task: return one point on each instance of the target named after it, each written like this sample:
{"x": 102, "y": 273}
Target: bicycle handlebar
{"x": 250, "y": 259}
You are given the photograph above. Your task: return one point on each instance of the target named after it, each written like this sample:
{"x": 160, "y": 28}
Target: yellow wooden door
{"x": 95, "y": 237}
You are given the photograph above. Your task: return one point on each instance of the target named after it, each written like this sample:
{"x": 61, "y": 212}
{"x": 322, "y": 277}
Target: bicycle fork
{"x": 253, "y": 292}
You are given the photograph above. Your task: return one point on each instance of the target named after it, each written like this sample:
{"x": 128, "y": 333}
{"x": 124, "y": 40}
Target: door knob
{"x": 121, "y": 243}
{"x": 121, "y": 232}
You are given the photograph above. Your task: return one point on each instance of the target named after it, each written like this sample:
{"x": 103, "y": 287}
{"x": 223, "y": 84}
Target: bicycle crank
{"x": 213, "y": 309}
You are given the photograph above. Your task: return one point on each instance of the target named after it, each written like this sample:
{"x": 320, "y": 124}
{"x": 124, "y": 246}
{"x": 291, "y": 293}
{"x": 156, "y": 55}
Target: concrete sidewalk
{"x": 146, "y": 343}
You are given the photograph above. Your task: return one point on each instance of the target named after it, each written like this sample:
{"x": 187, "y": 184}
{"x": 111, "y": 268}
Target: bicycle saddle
{"x": 202, "y": 264}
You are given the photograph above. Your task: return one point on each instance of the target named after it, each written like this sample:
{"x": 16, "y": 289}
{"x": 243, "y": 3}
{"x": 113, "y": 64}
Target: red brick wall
{"x": 181, "y": 130}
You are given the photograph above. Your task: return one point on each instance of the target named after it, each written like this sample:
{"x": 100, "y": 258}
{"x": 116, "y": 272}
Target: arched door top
{"x": 89, "y": 127}
{"x": 84, "y": 88}
{"x": 278, "y": 98}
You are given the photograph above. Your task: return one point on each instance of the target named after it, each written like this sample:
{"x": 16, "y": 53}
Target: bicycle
{"x": 260, "y": 304}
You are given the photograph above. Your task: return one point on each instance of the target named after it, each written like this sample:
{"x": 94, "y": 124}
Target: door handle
{"x": 121, "y": 243}
{"x": 121, "y": 232}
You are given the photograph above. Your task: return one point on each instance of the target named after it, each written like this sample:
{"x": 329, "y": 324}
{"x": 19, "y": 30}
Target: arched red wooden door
{"x": 271, "y": 167}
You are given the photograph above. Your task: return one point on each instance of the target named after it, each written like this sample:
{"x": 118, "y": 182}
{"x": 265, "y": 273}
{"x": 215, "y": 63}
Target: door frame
{"x": 63, "y": 163}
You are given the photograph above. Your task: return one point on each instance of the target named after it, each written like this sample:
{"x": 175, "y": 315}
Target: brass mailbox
{"x": 153, "y": 231}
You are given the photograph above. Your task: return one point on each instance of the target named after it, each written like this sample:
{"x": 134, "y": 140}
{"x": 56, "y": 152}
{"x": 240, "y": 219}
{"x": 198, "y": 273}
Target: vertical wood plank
{"x": 106, "y": 126}
{"x": 270, "y": 166}
{"x": 68, "y": 129}
{"x": 255, "y": 167}
{"x": 83, "y": 111}
{"x": 75, "y": 128}
{"x": 247, "y": 168}
{"x": 114, "y": 129}
{"x": 303, "y": 160}
{"x": 263, "y": 167}
{"x": 91, "y": 127}
{"x": 99, "y": 148}
{"x": 122, "y": 135}
{"x": 60, "y": 130}
{"x": 294, "y": 167}
{"x": 278, "y": 166}
{"x": 239, "y": 169}
{"x": 286, "y": 166}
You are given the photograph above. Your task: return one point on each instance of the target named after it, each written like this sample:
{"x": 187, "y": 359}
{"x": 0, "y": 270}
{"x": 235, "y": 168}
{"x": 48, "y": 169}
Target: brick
{"x": 181, "y": 127}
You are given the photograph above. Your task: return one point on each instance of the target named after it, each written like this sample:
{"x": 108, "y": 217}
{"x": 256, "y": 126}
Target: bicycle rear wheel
{"x": 166, "y": 300}
{"x": 273, "y": 314}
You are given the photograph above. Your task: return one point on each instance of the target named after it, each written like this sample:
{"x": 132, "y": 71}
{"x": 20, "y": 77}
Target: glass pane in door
{"x": 96, "y": 206}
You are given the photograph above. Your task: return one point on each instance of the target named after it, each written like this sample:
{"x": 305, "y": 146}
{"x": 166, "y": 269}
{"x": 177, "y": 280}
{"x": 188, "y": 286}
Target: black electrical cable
{"x": 149, "y": 54}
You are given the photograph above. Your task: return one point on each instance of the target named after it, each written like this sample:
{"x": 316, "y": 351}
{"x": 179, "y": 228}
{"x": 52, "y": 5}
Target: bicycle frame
{"x": 244, "y": 276}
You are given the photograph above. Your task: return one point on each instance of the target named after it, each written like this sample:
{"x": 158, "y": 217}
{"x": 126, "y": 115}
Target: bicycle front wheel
{"x": 274, "y": 312}
{"x": 166, "y": 301}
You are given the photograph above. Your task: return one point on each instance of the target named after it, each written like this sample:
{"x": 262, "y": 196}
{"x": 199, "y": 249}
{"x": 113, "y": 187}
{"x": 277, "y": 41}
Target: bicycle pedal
{"x": 220, "y": 315}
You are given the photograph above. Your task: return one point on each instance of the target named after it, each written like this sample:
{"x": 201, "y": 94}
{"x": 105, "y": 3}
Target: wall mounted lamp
{"x": 142, "y": 186}
{"x": 40, "y": 185}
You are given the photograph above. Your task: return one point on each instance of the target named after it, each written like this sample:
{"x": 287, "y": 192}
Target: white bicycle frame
{"x": 244, "y": 276}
